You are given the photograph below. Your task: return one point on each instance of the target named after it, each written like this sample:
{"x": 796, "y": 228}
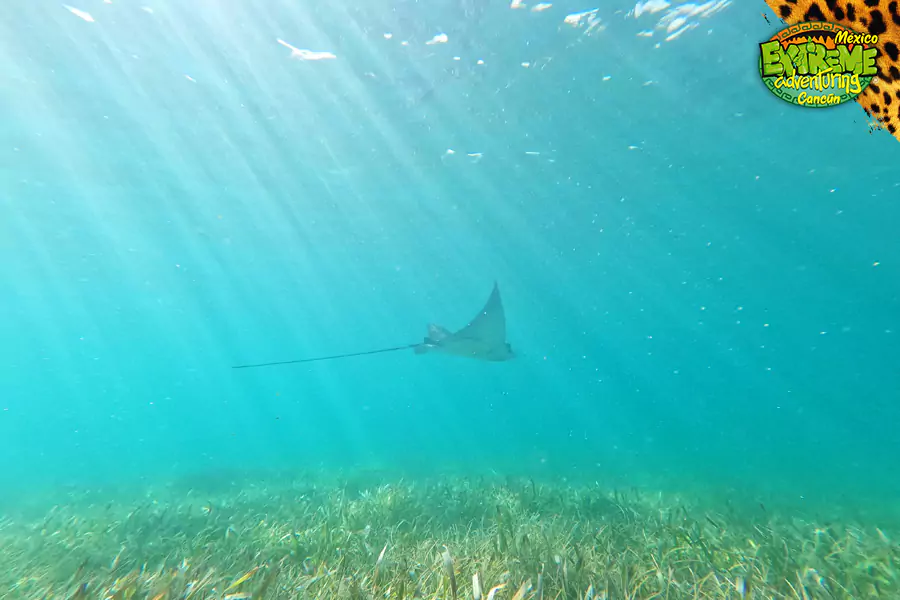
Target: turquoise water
{"x": 701, "y": 281}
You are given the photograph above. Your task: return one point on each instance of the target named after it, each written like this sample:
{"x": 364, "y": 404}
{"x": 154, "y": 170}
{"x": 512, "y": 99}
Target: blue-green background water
{"x": 688, "y": 265}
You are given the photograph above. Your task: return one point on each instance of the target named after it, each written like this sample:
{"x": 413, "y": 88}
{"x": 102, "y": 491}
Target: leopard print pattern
{"x": 881, "y": 99}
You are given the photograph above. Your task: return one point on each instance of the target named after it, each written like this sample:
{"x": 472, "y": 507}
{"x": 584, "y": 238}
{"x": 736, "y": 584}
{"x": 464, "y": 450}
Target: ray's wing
{"x": 488, "y": 326}
{"x": 438, "y": 334}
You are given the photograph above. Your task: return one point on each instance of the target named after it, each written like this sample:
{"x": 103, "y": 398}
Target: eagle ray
{"x": 484, "y": 338}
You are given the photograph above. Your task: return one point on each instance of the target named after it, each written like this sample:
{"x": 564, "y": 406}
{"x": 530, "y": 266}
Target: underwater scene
{"x": 442, "y": 299}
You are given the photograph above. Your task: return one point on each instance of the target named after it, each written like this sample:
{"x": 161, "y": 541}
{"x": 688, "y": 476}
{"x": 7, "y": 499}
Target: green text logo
{"x": 818, "y": 64}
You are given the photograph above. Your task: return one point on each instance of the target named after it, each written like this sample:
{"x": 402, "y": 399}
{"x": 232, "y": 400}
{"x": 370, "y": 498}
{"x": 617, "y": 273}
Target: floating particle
{"x": 526, "y": 64}
{"x": 607, "y": 77}
{"x": 147, "y": 10}
{"x": 649, "y": 82}
{"x": 388, "y": 36}
{"x": 306, "y": 54}
{"x": 876, "y": 263}
{"x": 517, "y": 4}
{"x": 189, "y": 78}
{"x": 532, "y": 153}
{"x": 457, "y": 58}
{"x": 79, "y": 13}
{"x": 312, "y": 55}
{"x": 440, "y": 38}
{"x": 480, "y": 62}
{"x": 541, "y": 7}
{"x": 645, "y": 33}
